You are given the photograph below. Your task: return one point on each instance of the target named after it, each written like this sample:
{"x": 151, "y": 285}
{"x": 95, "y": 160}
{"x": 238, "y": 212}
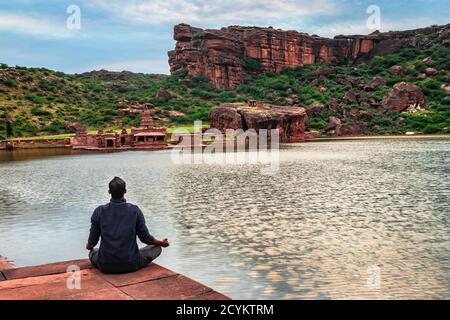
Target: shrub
{"x": 251, "y": 64}
{"x": 431, "y": 128}
{"x": 10, "y": 83}
{"x": 36, "y": 111}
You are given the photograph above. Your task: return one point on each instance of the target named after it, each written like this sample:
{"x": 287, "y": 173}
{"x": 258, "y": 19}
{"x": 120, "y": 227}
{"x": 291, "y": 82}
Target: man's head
{"x": 117, "y": 188}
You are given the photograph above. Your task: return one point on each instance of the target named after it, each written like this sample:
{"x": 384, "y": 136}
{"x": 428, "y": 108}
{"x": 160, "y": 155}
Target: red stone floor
{"x": 49, "y": 282}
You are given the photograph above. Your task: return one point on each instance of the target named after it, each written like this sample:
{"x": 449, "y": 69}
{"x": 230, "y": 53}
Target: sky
{"x": 136, "y": 35}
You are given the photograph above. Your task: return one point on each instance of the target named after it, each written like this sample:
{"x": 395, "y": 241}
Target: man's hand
{"x": 89, "y": 246}
{"x": 164, "y": 243}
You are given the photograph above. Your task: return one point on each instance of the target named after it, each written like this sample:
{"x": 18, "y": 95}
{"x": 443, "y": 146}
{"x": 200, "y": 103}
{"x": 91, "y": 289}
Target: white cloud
{"x": 40, "y": 26}
{"x": 359, "y": 26}
{"x": 157, "y": 66}
{"x": 214, "y": 11}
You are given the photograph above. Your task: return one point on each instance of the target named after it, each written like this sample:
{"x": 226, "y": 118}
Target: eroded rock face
{"x": 289, "y": 120}
{"x": 403, "y": 96}
{"x": 232, "y": 55}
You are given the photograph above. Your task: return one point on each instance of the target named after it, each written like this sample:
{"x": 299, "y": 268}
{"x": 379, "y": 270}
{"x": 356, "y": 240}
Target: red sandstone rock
{"x": 431, "y": 72}
{"x": 314, "y": 83}
{"x": 333, "y": 122}
{"x": 218, "y": 54}
{"x": 363, "y": 98}
{"x": 289, "y": 120}
{"x": 375, "y": 83}
{"x": 403, "y": 96}
{"x": 349, "y": 129}
{"x": 315, "y": 109}
{"x": 312, "y": 135}
{"x": 397, "y": 70}
{"x": 225, "y": 116}
{"x": 5, "y": 264}
{"x": 350, "y": 97}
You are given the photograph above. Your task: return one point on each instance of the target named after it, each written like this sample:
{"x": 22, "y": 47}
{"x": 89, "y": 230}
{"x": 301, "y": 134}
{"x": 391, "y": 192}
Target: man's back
{"x": 118, "y": 223}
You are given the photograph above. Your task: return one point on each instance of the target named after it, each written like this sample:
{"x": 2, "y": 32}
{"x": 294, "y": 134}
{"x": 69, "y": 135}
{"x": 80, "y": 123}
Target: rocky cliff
{"x": 290, "y": 121}
{"x": 230, "y": 56}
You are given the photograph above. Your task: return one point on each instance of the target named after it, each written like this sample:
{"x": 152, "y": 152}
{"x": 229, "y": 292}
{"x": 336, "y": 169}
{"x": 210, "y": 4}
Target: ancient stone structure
{"x": 290, "y": 121}
{"x": 232, "y": 55}
{"x": 146, "y": 136}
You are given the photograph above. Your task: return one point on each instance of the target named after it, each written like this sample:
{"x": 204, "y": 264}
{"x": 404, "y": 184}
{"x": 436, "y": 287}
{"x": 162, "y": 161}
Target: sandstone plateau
{"x": 232, "y": 55}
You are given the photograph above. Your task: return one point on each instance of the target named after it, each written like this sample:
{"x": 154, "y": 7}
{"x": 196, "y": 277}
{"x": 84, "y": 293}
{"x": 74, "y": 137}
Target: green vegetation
{"x": 38, "y": 101}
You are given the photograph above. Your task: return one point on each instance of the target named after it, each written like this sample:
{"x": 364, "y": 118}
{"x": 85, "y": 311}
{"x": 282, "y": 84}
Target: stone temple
{"x": 146, "y": 136}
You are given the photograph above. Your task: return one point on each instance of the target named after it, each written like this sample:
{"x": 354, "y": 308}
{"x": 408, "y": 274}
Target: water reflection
{"x": 318, "y": 229}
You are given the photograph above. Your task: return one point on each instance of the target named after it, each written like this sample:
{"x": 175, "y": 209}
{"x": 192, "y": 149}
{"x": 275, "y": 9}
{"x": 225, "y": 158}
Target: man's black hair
{"x": 117, "y": 188}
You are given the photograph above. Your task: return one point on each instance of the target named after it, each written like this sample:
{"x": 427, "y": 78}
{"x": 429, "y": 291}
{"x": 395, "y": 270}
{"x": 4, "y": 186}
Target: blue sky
{"x": 135, "y": 35}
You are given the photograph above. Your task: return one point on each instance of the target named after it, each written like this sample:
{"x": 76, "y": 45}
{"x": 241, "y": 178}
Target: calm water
{"x": 348, "y": 219}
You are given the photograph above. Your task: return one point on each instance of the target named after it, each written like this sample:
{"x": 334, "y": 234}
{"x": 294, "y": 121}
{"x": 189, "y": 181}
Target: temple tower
{"x": 146, "y": 120}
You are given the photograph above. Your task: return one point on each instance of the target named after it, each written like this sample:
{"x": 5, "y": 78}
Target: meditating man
{"x": 117, "y": 224}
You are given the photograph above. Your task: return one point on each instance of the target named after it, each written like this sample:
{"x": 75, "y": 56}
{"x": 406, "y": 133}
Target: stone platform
{"x": 49, "y": 282}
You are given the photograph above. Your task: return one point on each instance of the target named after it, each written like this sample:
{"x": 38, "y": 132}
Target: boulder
{"x": 396, "y": 70}
{"x": 354, "y": 113}
{"x": 323, "y": 89}
{"x": 315, "y": 109}
{"x": 289, "y": 120}
{"x": 350, "y": 98}
{"x": 431, "y": 72}
{"x": 346, "y": 82}
{"x": 350, "y": 129}
{"x": 333, "y": 105}
{"x": 427, "y": 60}
{"x": 402, "y": 96}
{"x": 314, "y": 83}
{"x": 421, "y": 76}
{"x": 333, "y": 122}
{"x": 289, "y": 101}
{"x": 374, "y": 84}
{"x": 225, "y": 116}
{"x": 363, "y": 98}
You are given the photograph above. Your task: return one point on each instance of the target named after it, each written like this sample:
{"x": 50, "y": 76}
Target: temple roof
{"x": 149, "y": 134}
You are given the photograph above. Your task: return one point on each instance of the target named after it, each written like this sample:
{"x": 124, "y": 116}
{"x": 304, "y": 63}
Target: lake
{"x": 341, "y": 219}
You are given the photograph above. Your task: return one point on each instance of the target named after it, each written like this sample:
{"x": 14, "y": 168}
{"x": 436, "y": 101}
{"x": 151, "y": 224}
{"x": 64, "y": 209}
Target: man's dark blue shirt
{"x": 118, "y": 223}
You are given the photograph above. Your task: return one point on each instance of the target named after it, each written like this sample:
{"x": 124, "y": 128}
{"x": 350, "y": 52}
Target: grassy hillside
{"x": 38, "y": 101}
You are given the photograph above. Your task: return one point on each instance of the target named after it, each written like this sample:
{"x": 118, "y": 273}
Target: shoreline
{"x": 55, "y": 281}
{"x": 30, "y": 145}
{"x": 381, "y": 137}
